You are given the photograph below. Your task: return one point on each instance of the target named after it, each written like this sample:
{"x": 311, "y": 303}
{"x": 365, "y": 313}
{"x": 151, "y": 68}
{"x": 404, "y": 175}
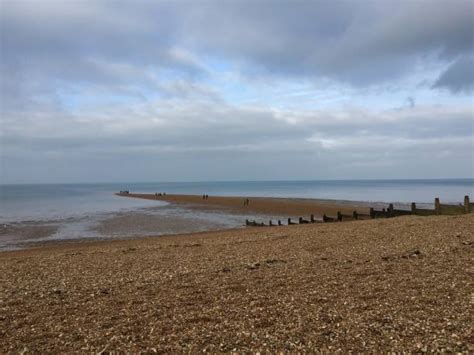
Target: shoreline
{"x": 282, "y": 206}
{"x": 222, "y": 213}
{"x": 186, "y": 214}
{"x": 400, "y": 284}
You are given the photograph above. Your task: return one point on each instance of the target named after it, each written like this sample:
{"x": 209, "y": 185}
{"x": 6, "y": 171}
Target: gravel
{"x": 402, "y": 284}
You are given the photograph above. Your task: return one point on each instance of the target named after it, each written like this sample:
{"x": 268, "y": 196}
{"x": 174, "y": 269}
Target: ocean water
{"x": 77, "y": 210}
{"x": 52, "y": 201}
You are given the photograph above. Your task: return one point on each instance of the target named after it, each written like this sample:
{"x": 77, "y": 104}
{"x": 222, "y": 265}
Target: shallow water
{"x": 147, "y": 221}
{"x": 39, "y": 213}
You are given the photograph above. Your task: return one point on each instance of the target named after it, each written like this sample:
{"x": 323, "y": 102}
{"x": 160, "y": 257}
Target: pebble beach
{"x": 401, "y": 284}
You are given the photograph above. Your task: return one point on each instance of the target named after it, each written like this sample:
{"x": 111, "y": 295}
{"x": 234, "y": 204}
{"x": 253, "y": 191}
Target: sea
{"x": 42, "y": 213}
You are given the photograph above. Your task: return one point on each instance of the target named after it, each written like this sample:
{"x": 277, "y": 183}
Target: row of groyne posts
{"x": 439, "y": 209}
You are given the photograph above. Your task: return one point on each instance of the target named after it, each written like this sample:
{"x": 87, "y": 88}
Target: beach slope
{"x": 390, "y": 284}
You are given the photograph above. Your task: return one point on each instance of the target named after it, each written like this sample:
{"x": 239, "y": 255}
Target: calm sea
{"x": 38, "y": 202}
{"x": 40, "y": 213}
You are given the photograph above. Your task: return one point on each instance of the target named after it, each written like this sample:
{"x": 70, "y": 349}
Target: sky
{"x": 115, "y": 91}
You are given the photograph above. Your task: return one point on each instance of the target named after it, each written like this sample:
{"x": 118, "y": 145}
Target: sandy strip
{"x": 291, "y": 207}
{"x": 401, "y": 284}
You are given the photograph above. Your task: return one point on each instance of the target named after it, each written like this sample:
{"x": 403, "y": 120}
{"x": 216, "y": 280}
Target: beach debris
{"x": 57, "y": 291}
{"x": 412, "y": 254}
{"x": 185, "y": 245}
{"x": 415, "y": 253}
{"x": 274, "y": 261}
{"x": 104, "y": 291}
{"x": 252, "y": 266}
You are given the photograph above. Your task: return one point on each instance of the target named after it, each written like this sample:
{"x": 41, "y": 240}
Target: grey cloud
{"x": 360, "y": 43}
{"x": 64, "y": 64}
{"x": 173, "y": 127}
{"x": 459, "y": 76}
{"x": 53, "y": 46}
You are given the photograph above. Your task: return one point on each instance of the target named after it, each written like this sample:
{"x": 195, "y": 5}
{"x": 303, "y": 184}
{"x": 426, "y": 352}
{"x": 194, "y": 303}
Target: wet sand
{"x": 401, "y": 284}
{"x": 160, "y": 220}
{"x": 291, "y": 207}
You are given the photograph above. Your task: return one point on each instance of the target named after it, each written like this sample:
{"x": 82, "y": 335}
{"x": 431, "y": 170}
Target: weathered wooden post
{"x": 413, "y": 208}
{"x": 339, "y": 216}
{"x": 312, "y": 218}
{"x": 467, "y": 205}
{"x": 279, "y": 223}
{"x": 247, "y": 222}
{"x": 390, "y": 210}
{"x": 270, "y": 223}
{"x": 437, "y": 206}
{"x": 371, "y": 212}
{"x": 355, "y": 215}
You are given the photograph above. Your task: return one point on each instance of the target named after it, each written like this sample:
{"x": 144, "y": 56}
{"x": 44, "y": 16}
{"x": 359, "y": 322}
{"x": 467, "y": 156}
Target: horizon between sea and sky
{"x": 214, "y": 91}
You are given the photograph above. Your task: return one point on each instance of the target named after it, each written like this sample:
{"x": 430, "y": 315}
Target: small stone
{"x": 253, "y": 266}
{"x": 57, "y": 291}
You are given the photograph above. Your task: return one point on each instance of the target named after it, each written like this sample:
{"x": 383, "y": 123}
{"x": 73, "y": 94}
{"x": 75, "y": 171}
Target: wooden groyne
{"x": 298, "y": 210}
{"x": 389, "y": 212}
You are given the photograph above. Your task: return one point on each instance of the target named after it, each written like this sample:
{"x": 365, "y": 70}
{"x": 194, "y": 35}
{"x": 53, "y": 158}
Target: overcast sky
{"x": 238, "y": 90}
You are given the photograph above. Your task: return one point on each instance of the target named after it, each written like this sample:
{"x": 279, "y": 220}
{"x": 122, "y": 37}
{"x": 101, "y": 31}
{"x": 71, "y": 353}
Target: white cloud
{"x": 319, "y": 87}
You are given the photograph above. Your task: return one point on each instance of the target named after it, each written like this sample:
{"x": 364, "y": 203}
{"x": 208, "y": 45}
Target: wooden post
{"x": 355, "y": 215}
{"x": 312, "y": 218}
{"x": 371, "y": 212}
{"x": 289, "y": 221}
{"x": 437, "y": 206}
{"x": 247, "y": 222}
{"x": 270, "y": 223}
{"x": 279, "y": 223}
{"x": 301, "y": 220}
{"x": 413, "y": 208}
{"x": 467, "y": 205}
{"x": 339, "y": 216}
{"x": 389, "y": 210}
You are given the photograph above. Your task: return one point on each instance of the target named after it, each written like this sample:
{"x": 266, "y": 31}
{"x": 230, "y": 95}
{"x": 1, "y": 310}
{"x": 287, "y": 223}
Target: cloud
{"x": 360, "y": 43}
{"x": 458, "y": 77}
{"x": 170, "y": 140}
{"x": 242, "y": 89}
